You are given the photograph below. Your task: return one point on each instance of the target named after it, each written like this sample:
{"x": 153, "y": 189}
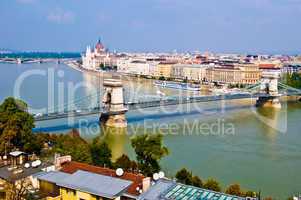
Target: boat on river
{"x": 175, "y": 85}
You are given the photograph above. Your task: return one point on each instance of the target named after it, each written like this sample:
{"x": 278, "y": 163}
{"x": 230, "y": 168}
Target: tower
{"x": 113, "y": 114}
{"x": 269, "y": 96}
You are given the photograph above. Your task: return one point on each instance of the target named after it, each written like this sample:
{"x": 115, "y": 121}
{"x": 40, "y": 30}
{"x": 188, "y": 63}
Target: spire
{"x": 99, "y": 46}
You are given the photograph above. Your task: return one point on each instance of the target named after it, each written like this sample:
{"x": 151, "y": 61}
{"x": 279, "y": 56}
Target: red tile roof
{"x": 267, "y": 66}
{"x": 71, "y": 167}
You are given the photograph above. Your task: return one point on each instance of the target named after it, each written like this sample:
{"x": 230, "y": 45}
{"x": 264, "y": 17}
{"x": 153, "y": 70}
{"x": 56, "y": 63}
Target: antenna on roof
{"x": 156, "y": 176}
{"x": 161, "y": 174}
{"x": 119, "y": 172}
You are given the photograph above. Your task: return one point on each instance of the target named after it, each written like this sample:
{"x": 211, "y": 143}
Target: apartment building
{"x": 164, "y": 69}
{"x": 195, "y": 72}
{"x": 237, "y": 73}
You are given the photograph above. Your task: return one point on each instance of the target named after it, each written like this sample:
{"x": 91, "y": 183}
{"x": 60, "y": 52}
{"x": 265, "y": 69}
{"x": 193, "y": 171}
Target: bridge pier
{"x": 269, "y": 89}
{"x": 268, "y": 101}
{"x": 113, "y": 114}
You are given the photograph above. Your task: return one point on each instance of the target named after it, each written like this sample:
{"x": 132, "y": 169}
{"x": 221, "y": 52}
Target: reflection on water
{"x": 272, "y": 120}
{"x": 264, "y": 153}
{"x": 116, "y": 138}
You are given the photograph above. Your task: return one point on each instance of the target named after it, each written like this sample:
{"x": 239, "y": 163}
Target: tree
{"x": 212, "y": 184}
{"x": 162, "y": 78}
{"x": 184, "y": 176}
{"x": 125, "y": 163}
{"x": 101, "y": 153}
{"x": 250, "y": 194}
{"x": 17, "y": 190}
{"x": 74, "y": 145}
{"x": 149, "y": 151}
{"x": 293, "y": 80}
{"x": 197, "y": 182}
{"x": 234, "y": 189}
{"x": 16, "y": 127}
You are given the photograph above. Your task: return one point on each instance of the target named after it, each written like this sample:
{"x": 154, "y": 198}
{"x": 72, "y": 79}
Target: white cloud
{"x": 61, "y": 16}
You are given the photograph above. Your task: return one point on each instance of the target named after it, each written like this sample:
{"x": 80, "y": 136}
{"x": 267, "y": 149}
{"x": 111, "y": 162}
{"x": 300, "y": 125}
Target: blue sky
{"x": 253, "y": 26}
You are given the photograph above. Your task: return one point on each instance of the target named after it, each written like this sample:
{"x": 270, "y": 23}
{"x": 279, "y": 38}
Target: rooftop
{"x": 72, "y": 167}
{"x": 16, "y": 153}
{"x": 92, "y": 183}
{"x": 13, "y": 174}
{"x": 166, "y": 189}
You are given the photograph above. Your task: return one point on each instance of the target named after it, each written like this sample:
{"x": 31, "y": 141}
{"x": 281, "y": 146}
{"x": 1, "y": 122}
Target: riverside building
{"x": 93, "y": 59}
{"x": 234, "y": 73}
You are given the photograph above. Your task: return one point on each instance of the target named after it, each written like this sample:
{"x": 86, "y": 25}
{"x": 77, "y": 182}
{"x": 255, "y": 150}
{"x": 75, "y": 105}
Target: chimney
{"x": 59, "y": 160}
{"x": 146, "y": 183}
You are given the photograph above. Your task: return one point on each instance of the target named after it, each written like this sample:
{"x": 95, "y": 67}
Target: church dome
{"x": 99, "y": 46}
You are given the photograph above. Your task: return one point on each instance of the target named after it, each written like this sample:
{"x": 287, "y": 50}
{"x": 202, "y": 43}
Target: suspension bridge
{"x": 112, "y": 107}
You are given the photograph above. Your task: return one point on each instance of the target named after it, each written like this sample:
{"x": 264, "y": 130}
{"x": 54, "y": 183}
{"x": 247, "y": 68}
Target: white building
{"x": 136, "y": 66}
{"x": 92, "y": 60}
{"x": 196, "y": 72}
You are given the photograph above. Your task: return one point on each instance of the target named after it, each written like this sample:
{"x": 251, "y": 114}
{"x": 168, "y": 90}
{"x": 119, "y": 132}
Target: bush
{"x": 212, "y": 184}
{"x": 184, "y": 176}
{"x": 234, "y": 190}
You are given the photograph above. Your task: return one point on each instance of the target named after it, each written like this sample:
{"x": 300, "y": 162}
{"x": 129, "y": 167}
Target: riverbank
{"x": 256, "y": 156}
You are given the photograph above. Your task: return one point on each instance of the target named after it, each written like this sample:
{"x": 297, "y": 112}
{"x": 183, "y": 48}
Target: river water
{"x": 230, "y": 141}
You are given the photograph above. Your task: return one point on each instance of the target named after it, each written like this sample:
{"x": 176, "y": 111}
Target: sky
{"x": 226, "y": 26}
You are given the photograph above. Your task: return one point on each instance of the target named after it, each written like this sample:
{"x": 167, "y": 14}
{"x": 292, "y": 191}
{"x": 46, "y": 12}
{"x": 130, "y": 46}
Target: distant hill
{"x": 3, "y": 50}
{"x": 13, "y": 54}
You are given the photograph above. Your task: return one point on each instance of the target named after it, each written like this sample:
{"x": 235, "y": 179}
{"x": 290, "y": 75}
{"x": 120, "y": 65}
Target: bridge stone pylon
{"x": 269, "y": 96}
{"x": 113, "y": 114}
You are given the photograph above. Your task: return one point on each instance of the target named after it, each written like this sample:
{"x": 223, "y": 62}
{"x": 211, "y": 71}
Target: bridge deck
{"x": 145, "y": 104}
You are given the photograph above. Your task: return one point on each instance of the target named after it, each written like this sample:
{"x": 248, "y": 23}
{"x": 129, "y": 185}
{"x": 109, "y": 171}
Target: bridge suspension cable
{"x": 67, "y": 105}
{"x": 287, "y": 87}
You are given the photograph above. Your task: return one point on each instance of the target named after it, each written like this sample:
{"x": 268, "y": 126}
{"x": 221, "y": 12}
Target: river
{"x": 230, "y": 141}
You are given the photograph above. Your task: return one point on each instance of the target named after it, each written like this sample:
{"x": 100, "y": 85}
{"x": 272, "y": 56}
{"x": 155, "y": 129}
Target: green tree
{"x": 102, "y": 66}
{"x": 212, "y": 184}
{"x": 197, "y": 182}
{"x": 125, "y": 163}
{"x": 184, "y": 176}
{"x": 16, "y": 127}
{"x": 293, "y": 80}
{"x": 101, "y": 153}
{"x": 250, "y": 194}
{"x": 149, "y": 151}
{"x": 234, "y": 189}
{"x": 162, "y": 78}
{"x": 74, "y": 145}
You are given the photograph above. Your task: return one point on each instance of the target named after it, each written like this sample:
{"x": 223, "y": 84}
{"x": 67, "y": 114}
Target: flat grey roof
{"x": 52, "y": 176}
{"x": 96, "y": 184}
{"x": 10, "y": 176}
{"x": 155, "y": 192}
{"x": 166, "y": 189}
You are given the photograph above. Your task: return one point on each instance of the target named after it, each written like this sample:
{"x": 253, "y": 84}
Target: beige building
{"x": 250, "y": 73}
{"x": 164, "y": 69}
{"x": 196, "y": 72}
{"x": 239, "y": 73}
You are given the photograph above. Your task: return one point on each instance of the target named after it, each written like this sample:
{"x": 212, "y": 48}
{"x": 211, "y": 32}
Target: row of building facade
{"x": 234, "y": 69}
{"x": 208, "y": 72}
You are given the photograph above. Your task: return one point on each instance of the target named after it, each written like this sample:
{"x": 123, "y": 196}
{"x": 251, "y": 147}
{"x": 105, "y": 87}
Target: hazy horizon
{"x": 234, "y": 26}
